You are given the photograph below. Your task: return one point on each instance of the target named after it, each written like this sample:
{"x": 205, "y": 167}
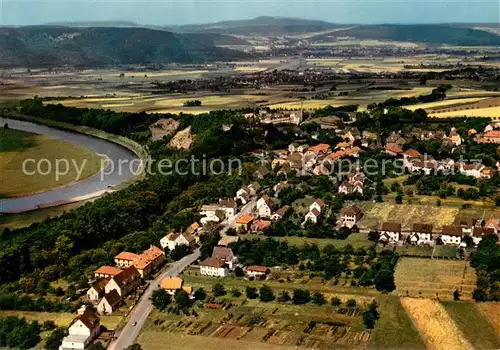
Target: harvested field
{"x": 476, "y": 328}
{"x": 394, "y": 329}
{"x": 491, "y": 311}
{"x": 434, "y": 278}
{"x": 407, "y": 214}
{"x": 435, "y": 325}
{"x": 491, "y": 112}
{"x": 459, "y": 102}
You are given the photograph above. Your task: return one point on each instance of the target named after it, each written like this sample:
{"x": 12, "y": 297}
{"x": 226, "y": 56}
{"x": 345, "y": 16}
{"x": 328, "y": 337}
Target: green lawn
{"x": 357, "y": 240}
{"x": 394, "y": 329}
{"x": 473, "y": 325}
{"x": 17, "y": 146}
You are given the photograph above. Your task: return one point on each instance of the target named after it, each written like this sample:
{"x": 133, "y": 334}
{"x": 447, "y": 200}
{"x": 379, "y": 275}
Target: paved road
{"x": 141, "y": 311}
{"x": 111, "y": 176}
{"x": 231, "y": 223}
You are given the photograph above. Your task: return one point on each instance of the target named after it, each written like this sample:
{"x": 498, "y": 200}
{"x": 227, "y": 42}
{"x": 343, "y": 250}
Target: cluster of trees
{"x": 437, "y": 94}
{"x": 192, "y": 103}
{"x": 486, "y": 261}
{"x": 372, "y": 269}
{"x": 291, "y": 226}
{"x": 16, "y": 332}
{"x": 13, "y": 301}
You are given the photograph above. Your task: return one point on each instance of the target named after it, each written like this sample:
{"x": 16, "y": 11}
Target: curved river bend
{"x": 111, "y": 175}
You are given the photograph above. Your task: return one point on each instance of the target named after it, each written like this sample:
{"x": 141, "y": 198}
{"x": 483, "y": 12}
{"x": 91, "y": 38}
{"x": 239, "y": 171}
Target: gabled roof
{"x": 193, "y": 228}
{"x": 262, "y": 170}
{"x": 100, "y": 284}
{"x": 465, "y": 222}
{"x": 493, "y": 223}
{"x": 113, "y": 298}
{"x": 108, "y": 270}
{"x": 127, "y": 276}
{"x": 281, "y": 211}
{"x": 126, "y": 256}
{"x": 320, "y": 202}
{"x": 451, "y": 231}
{"x": 351, "y": 210}
{"x": 315, "y": 212}
{"x": 213, "y": 262}
{"x": 262, "y": 224}
{"x": 223, "y": 253}
{"x": 88, "y": 318}
{"x": 152, "y": 253}
{"x": 413, "y": 153}
{"x": 257, "y": 268}
{"x": 394, "y": 149}
{"x": 322, "y": 147}
{"x": 422, "y": 228}
{"x": 391, "y": 227}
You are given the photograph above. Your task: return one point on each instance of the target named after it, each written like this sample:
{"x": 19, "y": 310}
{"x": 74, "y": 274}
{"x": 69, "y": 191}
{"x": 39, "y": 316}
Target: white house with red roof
{"x": 318, "y": 204}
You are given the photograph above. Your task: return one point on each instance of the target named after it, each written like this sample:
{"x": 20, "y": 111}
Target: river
{"x": 86, "y": 188}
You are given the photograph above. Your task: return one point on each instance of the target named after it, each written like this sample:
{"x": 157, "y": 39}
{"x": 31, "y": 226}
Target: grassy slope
{"x": 473, "y": 325}
{"x": 18, "y": 146}
{"x": 357, "y": 240}
{"x": 394, "y": 329}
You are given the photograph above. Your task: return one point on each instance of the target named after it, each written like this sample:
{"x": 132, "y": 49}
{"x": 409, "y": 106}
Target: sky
{"x": 174, "y": 12}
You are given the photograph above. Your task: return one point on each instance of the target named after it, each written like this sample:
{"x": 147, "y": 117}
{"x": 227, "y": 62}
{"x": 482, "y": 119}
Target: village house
{"x": 471, "y": 169}
{"x": 211, "y": 213}
{"x": 393, "y": 150}
{"x": 454, "y": 137}
{"x": 106, "y": 272}
{"x": 466, "y": 224}
{"x": 281, "y": 186}
{"x": 350, "y": 215}
{"x": 96, "y": 291}
{"x": 412, "y": 153}
{"x": 321, "y": 148}
{"x": 256, "y": 271}
{"x": 280, "y": 213}
{"x": 173, "y": 284}
{"x": 260, "y": 225}
{"x": 421, "y": 234}
{"x": 491, "y": 136}
{"x": 109, "y": 303}
{"x": 243, "y": 195}
{"x": 244, "y": 222}
{"x": 318, "y": 204}
{"x": 265, "y": 207}
{"x": 149, "y": 260}
{"x": 228, "y": 206}
{"x": 395, "y": 140}
{"x": 224, "y": 254}
{"x": 213, "y": 267}
{"x": 478, "y": 233}
{"x": 175, "y": 239}
{"x": 353, "y": 183}
{"x": 84, "y": 328}
{"x": 125, "y": 282}
{"x": 493, "y": 224}
{"x": 125, "y": 259}
{"x": 312, "y": 216}
{"x": 390, "y": 232}
{"x": 193, "y": 228}
{"x": 261, "y": 172}
{"x": 451, "y": 235}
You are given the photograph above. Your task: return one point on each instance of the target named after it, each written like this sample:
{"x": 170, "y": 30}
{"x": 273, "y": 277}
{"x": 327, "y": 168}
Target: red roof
{"x": 257, "y": 268}
{"x": 493, "y": 133}
{"x": 244, "y": 219}
{"x": 394, "y": 149}
{"x": 126, "y": 256}
{"x": 108, "y": 270}
{"x": 413, "y": 153}
{"x": 322, "y": 147}
{"x": 262, "y": 224}
{"x": 320, "y": 202}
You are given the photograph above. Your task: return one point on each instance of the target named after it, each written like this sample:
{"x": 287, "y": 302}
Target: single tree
{"x": 266, "y": 294}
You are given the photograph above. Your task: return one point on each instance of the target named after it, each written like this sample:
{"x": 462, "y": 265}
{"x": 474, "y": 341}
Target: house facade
{"x": 84, "y": 328}
{"x": 174, "y": 239}
{"x": 213, "y": 267}
{"x": 125, "y": 282}
{"x": 390, "y": 232}
{"x": 421, "y": 234}
{"x": 109, "y": 303}
{"x": 350, "y": 216}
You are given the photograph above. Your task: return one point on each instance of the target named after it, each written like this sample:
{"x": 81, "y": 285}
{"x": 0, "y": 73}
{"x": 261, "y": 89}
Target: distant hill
{"x": 96, "y": 24}
{"x": 49, "y": 46}
{"x": 424, "y": 33}
{"x": 260, "y": 26}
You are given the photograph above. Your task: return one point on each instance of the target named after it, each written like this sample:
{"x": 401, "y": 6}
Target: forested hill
{"x": 45, "y": 46}
{"x": 424, "y": 33}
